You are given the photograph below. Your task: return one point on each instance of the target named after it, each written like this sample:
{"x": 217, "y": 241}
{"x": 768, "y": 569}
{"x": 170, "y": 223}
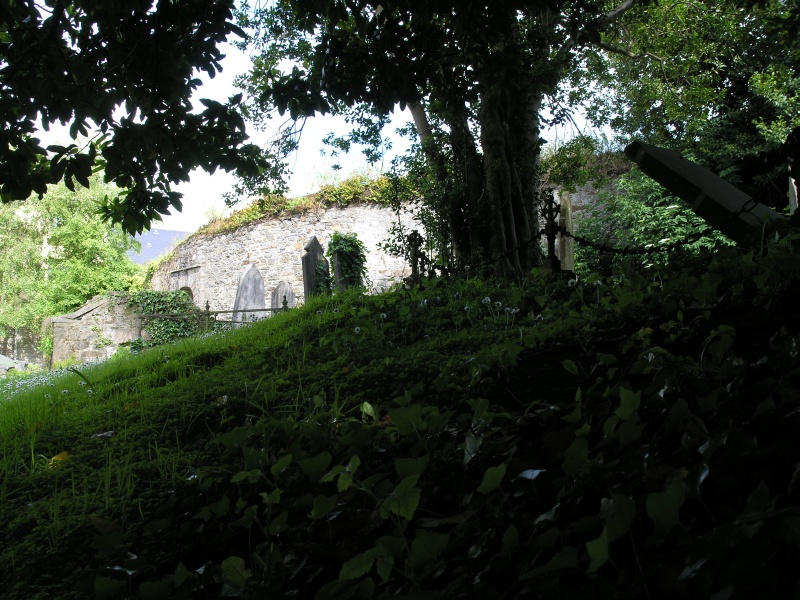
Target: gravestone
{"x": 249, "y": 295}
{"x": 722, "y": 205}
{"x": 281, "y": 291}
{"x": 313, "y": 257}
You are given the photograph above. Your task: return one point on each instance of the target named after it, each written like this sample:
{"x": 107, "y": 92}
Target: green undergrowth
{"x": 547, "y": 439}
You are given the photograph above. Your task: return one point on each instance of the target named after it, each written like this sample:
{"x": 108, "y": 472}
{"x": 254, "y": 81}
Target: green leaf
{"x": 367, "y": 409}
{"x": 279, "y": 466}
{"x": 510, "y": 540}
{"x": 427, "y": 546}
{"x": 598, "y": 552}
{"x": 404, "y": 500}
{"x": 408, "y": 419}
{"x": 358, "y": 566}
{"x": 182, "y": 575}
{"x": 618, "y": 513}
{"x": 313, "y": 468}
{"x": 664, "y": 507}
{"x": 570, "y": 366}
{"x": 406, "y": 467}
{"x": 279, "y": 524}
{"x": 492, "y": 478}
{"x": 322, "y": 505}
{"x": 629, "y": 402}
{"x": 235, "y": 571}
{"x": 576, "y": 456}
{"x": 384, "y": 566}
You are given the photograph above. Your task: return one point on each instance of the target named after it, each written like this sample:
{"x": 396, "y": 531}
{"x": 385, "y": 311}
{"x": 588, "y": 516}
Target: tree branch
{"x": 614, "y": 14}
{"x": 624, "y": 52}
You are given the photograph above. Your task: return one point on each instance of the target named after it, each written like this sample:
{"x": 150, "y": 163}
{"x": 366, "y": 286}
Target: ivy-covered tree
{"x": 475, "y": 76}
{"x": 56, "y": 252}
{"x": 121, "y": 72}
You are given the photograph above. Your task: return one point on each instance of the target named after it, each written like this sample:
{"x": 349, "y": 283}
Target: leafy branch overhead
{"x": 121, "y": 72}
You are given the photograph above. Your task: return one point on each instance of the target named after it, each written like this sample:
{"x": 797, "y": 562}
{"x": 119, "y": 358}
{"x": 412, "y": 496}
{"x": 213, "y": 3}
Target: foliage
{"x": 582, "y": 160}
{"x": 714, "y": 80}
{"x": 164, "y": 330}
{"x": 355, "y": 189}
{"x": 639, "y": 214}
{"x": 84, "y": 63}
{"x": 474, "y": 76}
{"x": 56, "y": 253}
{"x": 553, "y": 439}
{"x": 352, "y": 258}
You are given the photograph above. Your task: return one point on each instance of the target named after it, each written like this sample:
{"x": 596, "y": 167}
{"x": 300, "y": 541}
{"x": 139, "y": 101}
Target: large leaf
{"x": 404, "y": 500}
{"x": 492, "y": 478}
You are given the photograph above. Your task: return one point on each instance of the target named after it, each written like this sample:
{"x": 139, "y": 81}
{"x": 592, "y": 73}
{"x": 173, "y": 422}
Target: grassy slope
{"x": 600, "y": 441}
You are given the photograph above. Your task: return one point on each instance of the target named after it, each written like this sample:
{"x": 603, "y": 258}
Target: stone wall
{"x": 21, "y": 344}
{"x": 208, "y": 266}
{"x": 94, "y": 331}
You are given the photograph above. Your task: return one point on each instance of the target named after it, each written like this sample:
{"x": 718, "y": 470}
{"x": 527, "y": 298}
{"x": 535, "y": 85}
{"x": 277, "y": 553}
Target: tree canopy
{"x": 475, "y": 76}
{"x": 717, "y": 81}
{"x": 120, "y": 72}
{"x": 56, "y": 253}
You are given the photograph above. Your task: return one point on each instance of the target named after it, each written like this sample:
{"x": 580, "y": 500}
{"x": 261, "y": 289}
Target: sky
{"x": 203, "y": 194}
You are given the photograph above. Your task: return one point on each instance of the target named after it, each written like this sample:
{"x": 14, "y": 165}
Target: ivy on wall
{"x": 165, "y": 330}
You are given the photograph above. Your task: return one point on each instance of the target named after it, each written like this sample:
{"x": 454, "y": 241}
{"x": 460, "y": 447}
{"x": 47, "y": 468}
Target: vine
{"x": 164, "y": 330}
{"x": 352, "y": 257}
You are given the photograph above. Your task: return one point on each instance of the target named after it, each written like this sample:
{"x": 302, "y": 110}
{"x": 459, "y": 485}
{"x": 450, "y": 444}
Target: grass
{"x": 442, "y": 441}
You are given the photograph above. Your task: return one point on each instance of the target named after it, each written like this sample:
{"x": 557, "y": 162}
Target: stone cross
{"x": 314, "y": 256}
{"x": 249, "y": 295}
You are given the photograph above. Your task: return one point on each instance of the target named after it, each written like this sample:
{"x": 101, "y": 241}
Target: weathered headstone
{"x": 722, "y": 205}
{"x": 249, "y": 295}
{"x": 282, "y": 291}
{"x": 313, "y": 257}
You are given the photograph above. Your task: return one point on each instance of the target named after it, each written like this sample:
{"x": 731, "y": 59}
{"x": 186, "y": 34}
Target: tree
{"x": 475, "y": 76}
{"x": 56, "y": 253}
{"x": 715, "y": 80}
{"x": 126, "y": 67}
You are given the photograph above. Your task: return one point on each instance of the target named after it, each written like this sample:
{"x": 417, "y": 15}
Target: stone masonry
{"x": 208, "y": 266}
{"x": 95, "y": 330}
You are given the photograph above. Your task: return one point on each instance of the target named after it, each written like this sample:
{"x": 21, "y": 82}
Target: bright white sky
{"x": 202, "y": 195}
